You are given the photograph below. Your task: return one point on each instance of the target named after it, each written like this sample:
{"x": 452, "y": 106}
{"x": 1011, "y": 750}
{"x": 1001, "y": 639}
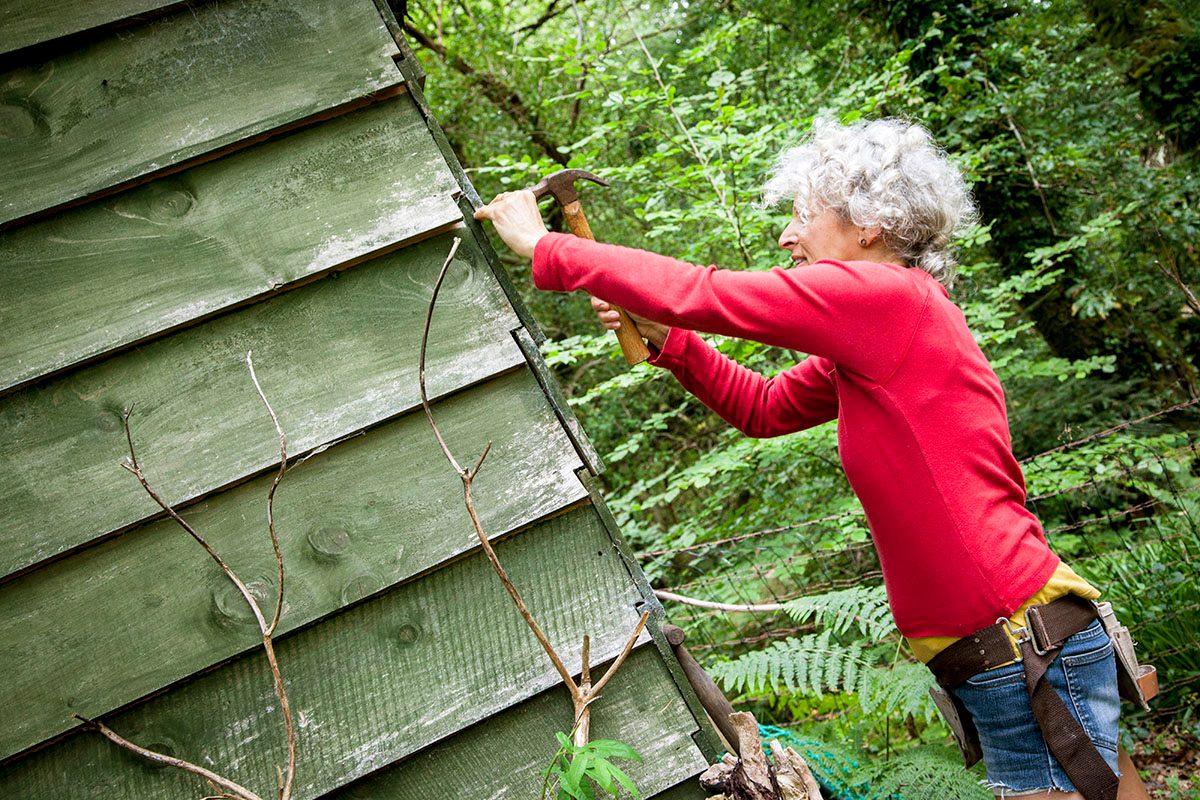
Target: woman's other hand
{"x": 655, "y": 333}
{"x": 517, "y": 220}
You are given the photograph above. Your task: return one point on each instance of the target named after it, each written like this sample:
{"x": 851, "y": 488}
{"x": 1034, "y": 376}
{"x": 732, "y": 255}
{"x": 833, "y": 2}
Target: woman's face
{"x": 824, "y": 235}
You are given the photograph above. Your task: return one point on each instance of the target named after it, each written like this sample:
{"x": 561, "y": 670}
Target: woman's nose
{"x": 789, "y": 237}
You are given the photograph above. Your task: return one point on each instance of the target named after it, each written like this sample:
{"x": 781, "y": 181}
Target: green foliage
{"x": 1079, "y": 287}
{"x": 863, "y": 608}
{"x": 926, "y": 773}
{"x": 579, "y": 772}
{"x": 816, "y": 664}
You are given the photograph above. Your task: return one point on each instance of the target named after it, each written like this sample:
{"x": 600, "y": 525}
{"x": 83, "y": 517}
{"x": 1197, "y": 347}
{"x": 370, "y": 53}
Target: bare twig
{"x": 1037, "y": 185}
{"x": 467, "y": 476}
{"x": 620, "y": 659}
{"x": 583, "y": 694}
{"x": 271, "y": 493}
{"x": 131, "y": 465}
{"x": 692, "y": 601}
{"x": 286, "y": 777}
{"x": 219, "y": 781}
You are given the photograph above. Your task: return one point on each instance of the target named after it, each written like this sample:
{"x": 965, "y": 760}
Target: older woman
{"x": 922, "y": 429}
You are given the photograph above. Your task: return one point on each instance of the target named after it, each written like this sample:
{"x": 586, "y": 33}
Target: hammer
{"x": 561, "y": 185}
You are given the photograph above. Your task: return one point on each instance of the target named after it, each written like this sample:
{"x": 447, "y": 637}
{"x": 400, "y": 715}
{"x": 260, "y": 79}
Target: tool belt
{"x": 1036, "y": 646}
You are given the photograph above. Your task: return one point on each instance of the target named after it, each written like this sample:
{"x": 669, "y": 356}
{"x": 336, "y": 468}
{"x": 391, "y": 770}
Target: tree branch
{"x": 583, "y": 694}
{"x": 220, "y": 781}
{"x": 266, "y": 630}
{"x": 496, "y": 90}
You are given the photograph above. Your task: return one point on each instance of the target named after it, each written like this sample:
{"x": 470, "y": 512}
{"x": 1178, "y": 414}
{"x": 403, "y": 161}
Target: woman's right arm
{"x": 861, "y": 317}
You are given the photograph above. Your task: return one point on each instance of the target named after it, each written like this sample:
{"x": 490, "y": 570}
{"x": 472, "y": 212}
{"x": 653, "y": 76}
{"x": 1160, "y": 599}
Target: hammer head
{"x": 561, "y": 184}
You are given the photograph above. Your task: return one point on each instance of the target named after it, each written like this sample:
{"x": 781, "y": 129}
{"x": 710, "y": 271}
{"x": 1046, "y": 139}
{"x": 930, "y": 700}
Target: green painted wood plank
{"x": 570, "y": 423}
{"x": 334, "y": 356}
{"x": 503, "y": 757}
{"x": 162, "y": 255}
{"x": 28, "y": 22}
{"x": 706, "y": 737}
{"x": 179, "y": 87}
{"x": 348, "y": 526}
{"x": 371, "y": 685}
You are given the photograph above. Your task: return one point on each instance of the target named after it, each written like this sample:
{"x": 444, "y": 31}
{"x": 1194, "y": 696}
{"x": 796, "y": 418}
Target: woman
{"x": 922, "y": 429}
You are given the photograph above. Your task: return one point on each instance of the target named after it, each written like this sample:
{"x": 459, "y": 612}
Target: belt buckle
{"x": 1021, "y": 635}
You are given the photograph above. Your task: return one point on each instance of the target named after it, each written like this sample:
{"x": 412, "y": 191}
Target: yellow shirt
{"x": 1063, "y": 581}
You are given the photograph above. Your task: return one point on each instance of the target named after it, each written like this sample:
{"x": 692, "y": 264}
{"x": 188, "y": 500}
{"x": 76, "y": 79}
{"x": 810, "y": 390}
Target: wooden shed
{"x": 181, "y": 183}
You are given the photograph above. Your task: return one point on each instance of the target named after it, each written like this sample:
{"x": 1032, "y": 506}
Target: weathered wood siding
{"x": 181, "y": 183}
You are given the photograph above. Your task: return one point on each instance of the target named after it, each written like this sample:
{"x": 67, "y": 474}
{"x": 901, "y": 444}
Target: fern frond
{"x": 903, "y": 688}
{"x": 924, "y": 773}
{"x": 818, "y": 664}
{"x": 864, "y": 608}
{"x": 810, "y": 664}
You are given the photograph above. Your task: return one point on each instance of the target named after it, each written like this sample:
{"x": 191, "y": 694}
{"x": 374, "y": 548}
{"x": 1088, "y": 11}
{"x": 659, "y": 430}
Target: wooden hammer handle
{"x": 715, "y": 703}
{"x": 632, "y": 346}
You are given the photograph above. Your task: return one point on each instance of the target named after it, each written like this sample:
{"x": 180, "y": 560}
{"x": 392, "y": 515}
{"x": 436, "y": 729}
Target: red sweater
{"x": 922, "y": 429}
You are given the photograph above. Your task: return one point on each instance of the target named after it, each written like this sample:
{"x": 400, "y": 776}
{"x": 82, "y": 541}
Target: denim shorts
{"x": 1017, "y": 758}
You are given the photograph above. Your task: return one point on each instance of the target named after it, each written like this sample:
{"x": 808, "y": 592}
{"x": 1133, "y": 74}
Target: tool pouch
{"x": 960, "y": 724}
{"x": 1136, "y": 683}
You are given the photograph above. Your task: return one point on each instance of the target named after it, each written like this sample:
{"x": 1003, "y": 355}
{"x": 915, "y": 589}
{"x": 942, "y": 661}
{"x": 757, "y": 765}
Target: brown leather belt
{"x": 1037, "y": 645}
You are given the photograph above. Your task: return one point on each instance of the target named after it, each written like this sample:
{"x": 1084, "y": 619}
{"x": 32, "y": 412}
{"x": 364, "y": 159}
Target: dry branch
{"x": 583, "y": 694}
{"x": 219, "y": 781}
{"x": 286, "y": 777}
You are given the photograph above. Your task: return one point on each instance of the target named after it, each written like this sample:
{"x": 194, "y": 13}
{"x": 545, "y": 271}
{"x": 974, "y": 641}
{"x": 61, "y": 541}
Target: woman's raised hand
{"x": 654, "y": 332}
{"x": 517, "y": 220}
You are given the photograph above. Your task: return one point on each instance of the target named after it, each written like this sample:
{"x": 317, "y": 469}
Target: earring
{"x": 862, "y": 242}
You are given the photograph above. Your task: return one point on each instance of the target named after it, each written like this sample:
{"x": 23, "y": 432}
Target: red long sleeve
{"x": 922, "y": 429}
{"x": 832, "y": 309}
{"x": 793, "y": 400}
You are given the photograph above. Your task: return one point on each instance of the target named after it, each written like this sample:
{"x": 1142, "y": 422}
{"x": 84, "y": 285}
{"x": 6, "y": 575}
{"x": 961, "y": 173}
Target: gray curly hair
{"x": 886, "y": 173}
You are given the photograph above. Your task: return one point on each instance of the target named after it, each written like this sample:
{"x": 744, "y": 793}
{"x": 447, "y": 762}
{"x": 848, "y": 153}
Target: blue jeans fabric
{"x": 1017, "y": 758}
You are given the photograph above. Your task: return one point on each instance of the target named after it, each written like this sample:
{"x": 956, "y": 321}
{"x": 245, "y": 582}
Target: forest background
{"x": 1075, "y": 122}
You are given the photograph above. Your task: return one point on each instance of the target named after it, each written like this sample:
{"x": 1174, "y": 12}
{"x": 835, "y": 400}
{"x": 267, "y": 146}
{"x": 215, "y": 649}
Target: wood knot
{"x": 408, "y": 633}
{"x": 163, "y": 745}
{"x": 230, "y": 607}
{"x": 168, "y": 201}
{"x": 329, "y": 542}
{"x": 361, "y": 586}
{"x": 18, "y": 121}
{"x": 109, "y": 421}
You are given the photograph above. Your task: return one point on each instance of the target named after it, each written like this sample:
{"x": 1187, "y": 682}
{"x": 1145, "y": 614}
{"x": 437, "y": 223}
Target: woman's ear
{"x": 867, "y": 236}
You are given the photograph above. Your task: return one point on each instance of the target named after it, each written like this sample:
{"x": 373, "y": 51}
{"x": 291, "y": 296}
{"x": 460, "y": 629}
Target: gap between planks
{"x": 321, "y": 116}
{"x": 258, "y": 473}
{"x": 284, "y": 288}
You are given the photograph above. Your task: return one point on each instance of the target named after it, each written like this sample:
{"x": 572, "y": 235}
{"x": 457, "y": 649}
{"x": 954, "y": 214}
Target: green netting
{"x": 833, "y": 769}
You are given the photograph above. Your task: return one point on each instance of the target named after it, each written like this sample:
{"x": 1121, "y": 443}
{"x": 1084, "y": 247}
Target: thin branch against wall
{"x": 584, "y": 693}
{"x": 271, "y": 493}
{"x": 286, "y": 777}
{"x": 221, "y": 782}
